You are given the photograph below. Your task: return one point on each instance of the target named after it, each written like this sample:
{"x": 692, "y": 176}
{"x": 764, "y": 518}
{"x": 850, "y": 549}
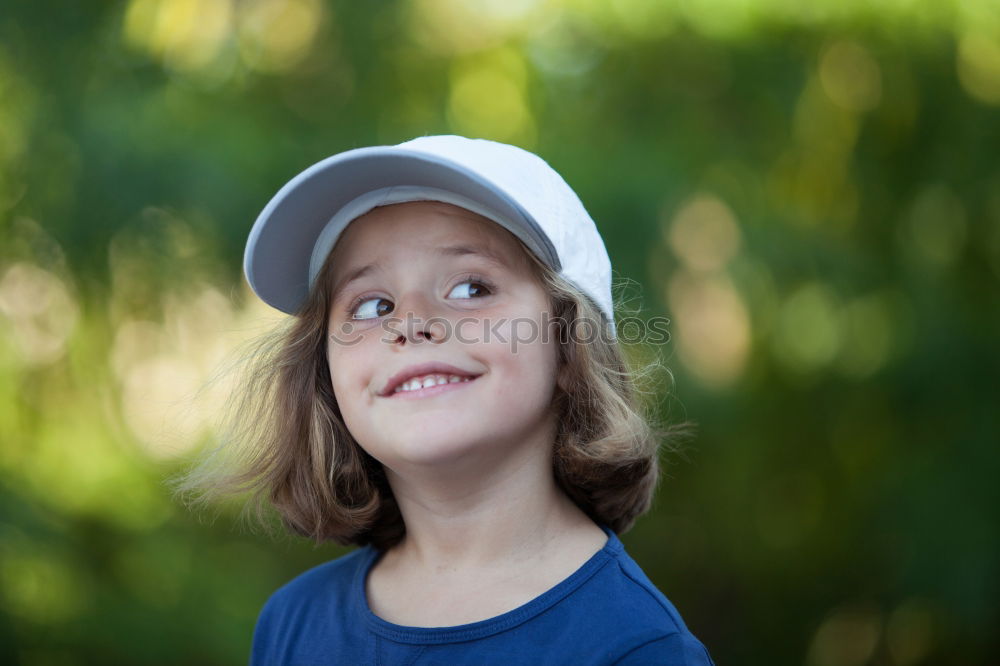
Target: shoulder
{"x": 306, "y": 607}
{"x": 628, "y": 597}
{"x": 318, "y": 584}
{"x": 649, "y": 625}
{"x": 645, "y": 595}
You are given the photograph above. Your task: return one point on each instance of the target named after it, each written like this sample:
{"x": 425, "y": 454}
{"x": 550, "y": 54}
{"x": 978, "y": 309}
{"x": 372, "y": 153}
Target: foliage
{"x": 810, "y": 192}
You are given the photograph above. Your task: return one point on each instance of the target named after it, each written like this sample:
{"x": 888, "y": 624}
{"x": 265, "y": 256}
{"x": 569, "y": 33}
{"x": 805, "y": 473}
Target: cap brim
{"x": 276, "y": 261}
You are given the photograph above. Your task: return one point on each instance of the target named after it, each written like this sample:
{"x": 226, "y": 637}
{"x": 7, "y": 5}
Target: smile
{"x": 428, "y": 381}
{"x": 429, "y": 385}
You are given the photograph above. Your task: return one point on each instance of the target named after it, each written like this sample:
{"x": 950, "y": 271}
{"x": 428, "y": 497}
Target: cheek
{"x": 352, "y": 372}
{"x": 336, "y": 381}
{"x": 529, "y": 364}
{"x": 345, "y": 392}
{"x": 342, "y": 375}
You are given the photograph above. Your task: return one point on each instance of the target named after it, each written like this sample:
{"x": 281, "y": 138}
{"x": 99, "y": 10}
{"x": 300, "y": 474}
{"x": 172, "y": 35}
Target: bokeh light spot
{"x": 868, "y": 335}
{"x": 275, "y": 35}
{"x": 155, "y": 398}
{"x": 807, "y": 334}
{"x": 186, "y": 34}
{"x": 39, "y": 311}
{"x": 488, "y": 99}
{"x": 910, "y": 632}
{"x": 563, "y": 47}
{"x": 17, "y": 102}
{"x": 704, "y": 234}
{"x": 452, "y": 27}
{"x": 168, "y": 400}
{"x": 713, "y": 327}
{"x": 934, "y": 230}
{"x": 37, "y": 584}
{"x": 850, "y": 76}
{"x": 847, "y": 637}
{"x": 979, "y": 66}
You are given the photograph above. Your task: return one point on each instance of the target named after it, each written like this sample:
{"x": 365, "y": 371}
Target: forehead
{"x": 418, "y": 226}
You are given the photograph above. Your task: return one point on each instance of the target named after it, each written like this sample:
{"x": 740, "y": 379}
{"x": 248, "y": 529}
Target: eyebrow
{"x": 464, "y": 250}
{"x": 446, "y": 251}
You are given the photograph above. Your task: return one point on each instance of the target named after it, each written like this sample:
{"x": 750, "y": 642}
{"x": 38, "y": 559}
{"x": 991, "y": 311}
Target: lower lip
{"x": 430, "y": 391}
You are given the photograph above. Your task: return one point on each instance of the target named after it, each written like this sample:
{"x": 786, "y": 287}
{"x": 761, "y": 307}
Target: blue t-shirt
{"x": 606, "y": 612}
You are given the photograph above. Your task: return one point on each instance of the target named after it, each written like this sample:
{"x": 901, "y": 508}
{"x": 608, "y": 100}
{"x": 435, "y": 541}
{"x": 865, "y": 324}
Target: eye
{"x": 470, "y": 288}
{"x": 369, "y": 308}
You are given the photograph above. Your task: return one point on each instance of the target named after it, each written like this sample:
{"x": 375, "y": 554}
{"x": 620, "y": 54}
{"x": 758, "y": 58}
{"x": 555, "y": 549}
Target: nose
{"x": 418, "y": 320}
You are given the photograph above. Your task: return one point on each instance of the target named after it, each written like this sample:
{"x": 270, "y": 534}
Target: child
{"x": 450, "y": 396}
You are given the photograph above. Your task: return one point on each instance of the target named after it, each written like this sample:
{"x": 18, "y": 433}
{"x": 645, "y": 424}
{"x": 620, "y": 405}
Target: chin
{"x": 429, "y": 448}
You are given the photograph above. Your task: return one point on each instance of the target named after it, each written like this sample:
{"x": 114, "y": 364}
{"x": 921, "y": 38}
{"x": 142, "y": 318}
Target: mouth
{"x": 427, "y": 385}
{"x": 426, "y": 379}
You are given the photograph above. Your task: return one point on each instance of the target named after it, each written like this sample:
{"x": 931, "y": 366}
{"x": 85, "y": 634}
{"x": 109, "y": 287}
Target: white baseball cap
{"x": 518, "y": 190}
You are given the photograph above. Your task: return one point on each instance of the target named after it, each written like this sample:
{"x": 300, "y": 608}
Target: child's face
{"x": 420, "y": 281}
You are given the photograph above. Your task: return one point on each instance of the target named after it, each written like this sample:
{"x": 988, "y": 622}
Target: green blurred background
{"x": 810, "y": 191}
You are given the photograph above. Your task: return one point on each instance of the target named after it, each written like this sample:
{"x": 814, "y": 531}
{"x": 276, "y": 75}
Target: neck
{"x": 487, "y": 512}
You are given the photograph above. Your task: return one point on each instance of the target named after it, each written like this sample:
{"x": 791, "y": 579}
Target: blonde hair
{"x": 286, "y": 443}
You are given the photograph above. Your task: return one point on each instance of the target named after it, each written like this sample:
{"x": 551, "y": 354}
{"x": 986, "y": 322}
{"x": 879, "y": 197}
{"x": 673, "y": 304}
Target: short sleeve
{"x": 680, "y": 649}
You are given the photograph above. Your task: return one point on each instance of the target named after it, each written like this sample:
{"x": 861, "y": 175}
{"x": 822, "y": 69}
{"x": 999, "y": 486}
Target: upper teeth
{"x": 427, "y": 381}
